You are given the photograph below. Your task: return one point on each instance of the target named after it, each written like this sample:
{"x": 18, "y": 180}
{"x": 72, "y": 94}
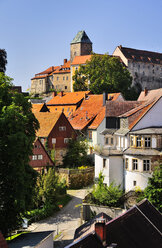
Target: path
{"x": 65, "y": 221}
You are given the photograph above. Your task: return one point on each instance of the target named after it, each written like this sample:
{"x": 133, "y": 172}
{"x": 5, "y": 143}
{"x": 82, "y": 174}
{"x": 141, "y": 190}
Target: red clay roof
{"x": 91, "y": 109}
{"x": 78, "y": 60}
{"x": 67, "y": 109}
{"x": 68, "y": 98}
{"x": 141, "y": 55}
{"x": 47, "y": 121}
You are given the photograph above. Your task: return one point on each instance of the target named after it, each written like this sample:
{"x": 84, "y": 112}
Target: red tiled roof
{"x": 47, "y": 121}
{"x": 91, "y": 109}
{"x": 68, "y": 98}
{"x": 39, "y": 76}
{"x": 78, "y": 60}
{"x": 141, "y": 55}
{"x": 67, "y": 109}
{"x": 3, "y": 243}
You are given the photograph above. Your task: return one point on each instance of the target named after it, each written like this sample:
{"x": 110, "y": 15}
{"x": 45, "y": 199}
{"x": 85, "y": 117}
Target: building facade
{"x": 145, "y": 67}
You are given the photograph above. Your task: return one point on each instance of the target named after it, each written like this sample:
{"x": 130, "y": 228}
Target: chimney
{"x": 104, "y": 98}
{"x": 61, "y": 93}
{"x": 54, "y": 93}
{"x": 145, "y": 91}
{"x": 100, "y": 229}
{"x": 65, "y": 61}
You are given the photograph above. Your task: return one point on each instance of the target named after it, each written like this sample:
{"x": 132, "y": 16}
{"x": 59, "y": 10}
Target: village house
{"x": 145, "y": 67}
{"x": 54, "y": 132}
{"x": 40, "y": 159}
{"x": 90, "y": 114}
{"x": 67, "y": 102}
{"x": 130, "y": 141}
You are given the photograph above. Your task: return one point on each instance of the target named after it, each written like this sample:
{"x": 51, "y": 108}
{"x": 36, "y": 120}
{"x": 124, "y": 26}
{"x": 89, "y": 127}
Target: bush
{"x": 104, "y": 195}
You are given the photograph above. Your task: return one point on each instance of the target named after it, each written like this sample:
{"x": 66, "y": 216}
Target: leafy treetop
{"x": 104, "y": 73}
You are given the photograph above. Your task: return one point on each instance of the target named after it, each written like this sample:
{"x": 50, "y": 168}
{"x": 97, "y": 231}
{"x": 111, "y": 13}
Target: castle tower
{"x": 80, "y": 45}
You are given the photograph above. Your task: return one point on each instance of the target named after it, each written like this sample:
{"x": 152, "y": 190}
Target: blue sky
{"x": 37, "y": 33}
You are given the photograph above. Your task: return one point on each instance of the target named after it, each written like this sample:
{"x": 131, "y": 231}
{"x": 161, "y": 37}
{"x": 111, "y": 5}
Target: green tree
{"x": 104, "y": 195}
{"x": 17, "y": 134}
{"x": 104, "y": 73}
{"x": 3, "y": 60}
{"x": 153, "y": 192}
{"x": 76, "y": 155}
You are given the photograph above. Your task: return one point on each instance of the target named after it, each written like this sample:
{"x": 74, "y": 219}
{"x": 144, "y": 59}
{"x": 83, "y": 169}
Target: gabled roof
{"x": 139, "y": 227}
{"x": 66, "y": 109}
{"x": 63, "y": 68}
{"x": 141, "y": 55}
{"x": 81, "y": 60}
{"x": 150, "y": 95}
{"x": 81, "y": 37}
{"x": 88, "y": 226}
{"x": 68, "y": 98}
{"x": 39, "y": 107}
{"x": 47, "y": 121}
{"x": 117, "y": 108}
{"x": 91, "y": 112}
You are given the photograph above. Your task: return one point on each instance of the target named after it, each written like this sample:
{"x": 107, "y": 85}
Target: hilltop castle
{"x": 144, "y": 66}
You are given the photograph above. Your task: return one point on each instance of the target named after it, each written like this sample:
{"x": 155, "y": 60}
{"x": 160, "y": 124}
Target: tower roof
{"x": 81, "y": 37}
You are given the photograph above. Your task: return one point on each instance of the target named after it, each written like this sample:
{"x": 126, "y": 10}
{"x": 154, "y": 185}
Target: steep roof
{"x": 39, "y": 107}
{"x": 81, "y": 60}
{"x": 47, "y": 121}
{"x": 91, "y": 112}
{"x": 141, "y": 55}
{"x": 68, "y": 98}
{"x": 66, "y": 109}
{"x": 81, "y": 37}
{"x": 117, "y": 108}
{"x": 129, "y": 229}
{"x": 65, "y": 68}
{"x": 149, "y": 95}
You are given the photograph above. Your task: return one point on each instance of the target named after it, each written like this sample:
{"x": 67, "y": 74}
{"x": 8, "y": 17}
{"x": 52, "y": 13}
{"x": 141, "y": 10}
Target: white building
{"x": 132, "y": 146}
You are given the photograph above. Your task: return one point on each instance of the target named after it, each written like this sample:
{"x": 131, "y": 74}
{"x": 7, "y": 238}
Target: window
{"x": 126, "y": 163}
{"x": 138, "y": 141}
{"x": 42, "y": 140}
{"x": 66, "y": 140}
{"x": 146, "y": 165}
{"x": 63, "y": 78}
{"x": 134, "y": 164}
{"x": 134, "y": 183}
{"x": 67, "y": 78}
{"x": 106, "y": 141}
{"x": 62, "y": 128}
{"x": 90, "y": 134}
{"x": 34, "y": 157}
{"x": 40, "y": 157}
{"x": 65, "y": 87}
{"x": 112, "y": 141}
{"x": 53, "y": 140}
{"x": 131, "y": 141}
{"x": 104, "y": 163}
{"x": 57, "y": 78}
{"x": 147, "y": 142}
